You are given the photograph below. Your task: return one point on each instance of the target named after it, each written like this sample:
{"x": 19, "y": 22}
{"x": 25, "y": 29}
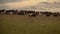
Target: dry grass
{"x": 17, "y": 24}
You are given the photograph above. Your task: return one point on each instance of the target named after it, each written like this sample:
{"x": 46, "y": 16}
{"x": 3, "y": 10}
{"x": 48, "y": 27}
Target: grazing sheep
{"x": 10, "y": 12}
{"x": 55, "y": 14}
{"x": 2, "y": 11}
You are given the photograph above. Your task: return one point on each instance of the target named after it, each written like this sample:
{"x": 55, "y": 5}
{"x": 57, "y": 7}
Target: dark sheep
{"x": 2, "y": 11}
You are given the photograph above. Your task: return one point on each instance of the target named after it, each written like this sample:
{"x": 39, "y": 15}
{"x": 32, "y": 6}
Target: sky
{"x": 15, "y": 4}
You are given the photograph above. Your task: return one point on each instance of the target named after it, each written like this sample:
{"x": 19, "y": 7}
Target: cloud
{"x": 25, "y": 4}
{"x": 21, "y": 4}
{"x": 10, "y": 1}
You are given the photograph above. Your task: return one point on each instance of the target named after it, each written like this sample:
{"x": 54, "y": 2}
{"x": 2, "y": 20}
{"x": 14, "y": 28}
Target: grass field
{"x": 17, "y": 24}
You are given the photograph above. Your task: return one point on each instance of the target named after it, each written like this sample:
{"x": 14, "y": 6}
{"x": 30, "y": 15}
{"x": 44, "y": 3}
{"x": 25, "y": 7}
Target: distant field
{"x": 17, "y": 24}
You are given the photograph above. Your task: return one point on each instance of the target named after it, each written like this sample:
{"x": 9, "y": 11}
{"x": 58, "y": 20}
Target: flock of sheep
{"x": 29, "y": 13}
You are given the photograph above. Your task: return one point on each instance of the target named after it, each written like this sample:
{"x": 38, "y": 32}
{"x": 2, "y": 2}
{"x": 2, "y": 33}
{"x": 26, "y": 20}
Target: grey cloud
{"x": 9, "y": 1}
{"x": 3, "y": 7}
